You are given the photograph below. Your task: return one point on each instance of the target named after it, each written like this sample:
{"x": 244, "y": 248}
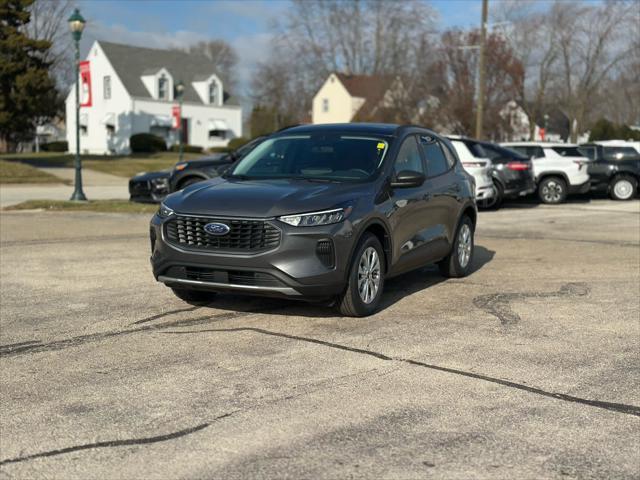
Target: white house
{"x": 133, "y": 91}
{"x": 345, "y": 98}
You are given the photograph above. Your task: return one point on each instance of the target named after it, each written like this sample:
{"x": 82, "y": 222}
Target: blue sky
{"x": 243, "y": 23}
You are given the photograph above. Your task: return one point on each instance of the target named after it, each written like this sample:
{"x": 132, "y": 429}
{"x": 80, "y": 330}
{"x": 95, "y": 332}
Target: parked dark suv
{"x": 614, "y": 169}
{"x": 320, "y": 212}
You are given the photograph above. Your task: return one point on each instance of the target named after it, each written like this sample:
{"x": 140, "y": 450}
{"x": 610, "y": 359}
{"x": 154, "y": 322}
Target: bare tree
{"x": 223, "y": 56}
{"x": 49, "y": 22}
{"x": 456, "y": 73}
{"x": 593, "y": 41}
{"x": 352, "y": 36}
{"x": 533, "y": 37}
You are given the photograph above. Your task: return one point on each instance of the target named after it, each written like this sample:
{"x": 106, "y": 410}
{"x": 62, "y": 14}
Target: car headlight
{"x": 326, "y": 217}
{"x": 164, "y": 211}
{"x": 181, "y": 166}
{"x": 160, "y": 182}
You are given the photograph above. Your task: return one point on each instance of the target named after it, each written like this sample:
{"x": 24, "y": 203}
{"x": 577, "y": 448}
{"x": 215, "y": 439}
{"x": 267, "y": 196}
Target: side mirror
{"x": 408, "y": 179}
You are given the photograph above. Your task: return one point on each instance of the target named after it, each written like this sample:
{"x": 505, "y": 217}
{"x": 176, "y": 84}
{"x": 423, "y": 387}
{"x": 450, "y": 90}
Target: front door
{"x": 411, "y": 223}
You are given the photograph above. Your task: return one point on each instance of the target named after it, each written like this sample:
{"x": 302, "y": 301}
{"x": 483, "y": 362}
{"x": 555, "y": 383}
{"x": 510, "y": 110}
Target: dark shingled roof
{"x": 131, "y": 63}
{"x": 370, "y": 87}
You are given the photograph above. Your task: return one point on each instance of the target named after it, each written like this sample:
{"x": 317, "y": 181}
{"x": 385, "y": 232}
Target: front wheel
{"x": 458, "y": 263}
{"x": 552, "y": 190}
{"x": 623, "y": 187}
{"x": 366, "y": 279}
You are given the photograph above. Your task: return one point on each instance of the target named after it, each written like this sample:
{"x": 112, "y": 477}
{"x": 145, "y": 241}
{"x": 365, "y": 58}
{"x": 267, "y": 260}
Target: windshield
{"x": 330, "y": 157}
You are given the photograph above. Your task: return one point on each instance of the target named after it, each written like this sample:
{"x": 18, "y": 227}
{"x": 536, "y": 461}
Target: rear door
{"x": 444, "y": 196}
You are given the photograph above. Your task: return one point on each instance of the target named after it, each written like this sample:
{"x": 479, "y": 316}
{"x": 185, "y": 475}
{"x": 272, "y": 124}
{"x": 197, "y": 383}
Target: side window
{"x": 409, "y": 157}
{"x": 620, "y": 153}
{"x": 437, "y": 163}
{"x": 537, "y": 152}
{"x": 520, "y": 150}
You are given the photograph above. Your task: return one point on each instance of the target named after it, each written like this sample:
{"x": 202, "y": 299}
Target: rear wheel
{"x": 623, "y": 187}
{"x": 366, "y": 279}
{"x": 458, "y": 263}
{"x": 552, "y": 190}
{"x": 196, "y": 297}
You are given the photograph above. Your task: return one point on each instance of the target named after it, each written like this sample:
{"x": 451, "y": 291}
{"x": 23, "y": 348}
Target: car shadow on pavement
{"x": 395, "y": 290}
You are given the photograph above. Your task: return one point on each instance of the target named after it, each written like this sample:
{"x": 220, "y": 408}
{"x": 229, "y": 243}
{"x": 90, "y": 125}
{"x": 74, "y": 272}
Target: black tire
{"x": 623, "y": 187}
{"x": 194, "y": 297}
{"x": 451, "y": 266}
{"x": 350, "y": 303}
{"x": 552, "y": 190}
{"x": 189, "y": 181}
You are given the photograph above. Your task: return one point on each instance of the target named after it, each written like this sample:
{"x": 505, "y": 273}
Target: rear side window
{"x": 567, "y": 151}
{"x": 620, "y": 153}
{"x": 477, "y": 150}
{"x": 437, "y": 163}
{"x": 535, "y": 152}
{"x": 409, "y": 157}
{"x": 520, "y": 150}
{"x": 589, "y": 152}
{"x": 448, "y": 153}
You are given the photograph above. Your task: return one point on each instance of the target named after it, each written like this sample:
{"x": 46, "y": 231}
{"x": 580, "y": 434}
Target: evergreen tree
{"x": 27, "y": 92}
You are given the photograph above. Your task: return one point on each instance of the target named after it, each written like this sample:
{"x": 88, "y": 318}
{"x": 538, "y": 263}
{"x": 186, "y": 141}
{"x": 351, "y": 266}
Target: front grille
{"x": 243, "y": 236}
{"x": 139, "y": 188}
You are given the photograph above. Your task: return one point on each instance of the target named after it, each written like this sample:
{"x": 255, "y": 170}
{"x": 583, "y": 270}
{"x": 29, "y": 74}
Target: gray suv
{"x": 320, "y": 212}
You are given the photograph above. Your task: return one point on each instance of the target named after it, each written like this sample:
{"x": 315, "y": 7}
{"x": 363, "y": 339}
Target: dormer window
{"x": 213, "y": 93}
{"x": 163, "y": 91}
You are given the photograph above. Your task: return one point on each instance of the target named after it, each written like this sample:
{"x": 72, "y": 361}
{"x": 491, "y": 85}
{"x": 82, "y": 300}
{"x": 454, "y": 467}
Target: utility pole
{"x": 481, "y": 73}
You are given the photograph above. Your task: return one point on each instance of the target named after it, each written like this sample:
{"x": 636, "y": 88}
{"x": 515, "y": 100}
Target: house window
{"x": 213, "y": 93}
{"x": 106, "y": 84}
{"x": 162, "y": 87}
{"x": 325, "y": 105}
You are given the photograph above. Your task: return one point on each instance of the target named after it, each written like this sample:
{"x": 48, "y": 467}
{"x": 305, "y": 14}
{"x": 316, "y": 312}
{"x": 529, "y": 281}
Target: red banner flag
{"x": 175, "y": 113}
{"x": 85, "y": 84}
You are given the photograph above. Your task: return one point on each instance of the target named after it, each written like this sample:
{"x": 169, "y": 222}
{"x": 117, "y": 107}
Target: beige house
{"x": 345, "y": 98}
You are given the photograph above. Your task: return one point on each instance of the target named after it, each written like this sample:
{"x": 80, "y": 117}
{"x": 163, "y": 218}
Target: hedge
{"x": 59, "y": 146}
{"x": 147, "y": 143}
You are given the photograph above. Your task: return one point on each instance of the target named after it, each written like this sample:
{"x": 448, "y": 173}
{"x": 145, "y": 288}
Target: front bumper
{"x": 485, "y": 193}
{"x": 293, "y": 269}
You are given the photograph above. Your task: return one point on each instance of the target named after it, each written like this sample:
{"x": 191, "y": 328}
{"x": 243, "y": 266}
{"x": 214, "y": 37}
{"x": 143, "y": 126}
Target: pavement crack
{"x": 165, "y": 314}
{"x": 113, "y": 443}
{"x": 528, "y": 237}
{"x": 610, "y": 406}
{"x": 15, "y": 349}
{"x": 499, "y": 304}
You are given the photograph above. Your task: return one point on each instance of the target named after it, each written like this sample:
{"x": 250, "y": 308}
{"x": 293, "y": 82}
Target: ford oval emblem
{"x": 218, "y": 229}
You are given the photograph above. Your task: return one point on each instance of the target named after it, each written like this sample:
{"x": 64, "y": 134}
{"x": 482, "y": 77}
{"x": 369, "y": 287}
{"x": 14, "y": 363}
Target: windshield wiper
{"x": 232, "y": 176}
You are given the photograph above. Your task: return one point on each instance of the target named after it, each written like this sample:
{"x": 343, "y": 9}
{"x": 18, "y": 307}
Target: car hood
{"x": 262, "y": 198}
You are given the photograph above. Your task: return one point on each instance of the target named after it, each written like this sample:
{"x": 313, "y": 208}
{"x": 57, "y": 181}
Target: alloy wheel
{"x": 465, "y": 243}
{"x": 369, "y": 275}
{"x": 623, "y": 189}
{"x": 552, "y": 192}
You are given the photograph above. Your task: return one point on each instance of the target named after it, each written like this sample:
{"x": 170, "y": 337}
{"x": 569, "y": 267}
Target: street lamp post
{"x": 76, "y": 24}
{"x": 179, "y": 92}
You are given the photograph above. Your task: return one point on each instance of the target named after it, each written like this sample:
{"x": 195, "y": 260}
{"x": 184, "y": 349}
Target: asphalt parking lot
{"x": 528, "y": 368}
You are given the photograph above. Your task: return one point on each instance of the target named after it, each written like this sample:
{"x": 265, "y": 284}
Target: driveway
{"x": 528, "y": 368}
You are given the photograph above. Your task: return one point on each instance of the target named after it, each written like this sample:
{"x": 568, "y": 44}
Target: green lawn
{"x": 14, "y": 172}
{"x": 123, "y": 166}
{"x": 108, "y": 206}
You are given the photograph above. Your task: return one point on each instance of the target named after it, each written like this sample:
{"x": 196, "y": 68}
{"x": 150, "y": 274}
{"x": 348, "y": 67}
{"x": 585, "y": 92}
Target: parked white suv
{"x": 559, "y": 168}
{"x": 480, "y": 168}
